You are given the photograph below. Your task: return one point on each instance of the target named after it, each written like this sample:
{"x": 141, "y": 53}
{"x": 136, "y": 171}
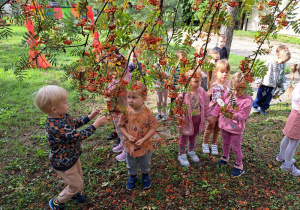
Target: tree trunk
{"x": 228, "y": 31}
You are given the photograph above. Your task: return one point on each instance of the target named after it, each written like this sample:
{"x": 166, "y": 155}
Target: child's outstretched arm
{"x": 94, "y": 113}
{"x": 150, "y": 133}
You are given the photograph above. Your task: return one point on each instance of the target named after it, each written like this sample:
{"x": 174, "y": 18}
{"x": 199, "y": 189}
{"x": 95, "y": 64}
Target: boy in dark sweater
{"x": 65, "y": 141}
{"x": 221, "y": 47}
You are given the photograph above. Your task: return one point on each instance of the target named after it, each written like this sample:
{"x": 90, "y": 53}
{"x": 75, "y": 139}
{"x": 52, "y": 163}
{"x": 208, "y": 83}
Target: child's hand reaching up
{"x": 101, "y": 120}
{"x": 94, "y": 113}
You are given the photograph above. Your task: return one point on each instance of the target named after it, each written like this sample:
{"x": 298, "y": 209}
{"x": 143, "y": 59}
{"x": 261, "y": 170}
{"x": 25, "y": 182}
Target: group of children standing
{"x": 136, "y": 125}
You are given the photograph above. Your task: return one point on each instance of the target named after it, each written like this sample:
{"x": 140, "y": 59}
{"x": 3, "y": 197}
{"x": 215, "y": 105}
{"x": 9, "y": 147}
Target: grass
{"x": 28, "y": 181}
{"x": 280, "y": 37}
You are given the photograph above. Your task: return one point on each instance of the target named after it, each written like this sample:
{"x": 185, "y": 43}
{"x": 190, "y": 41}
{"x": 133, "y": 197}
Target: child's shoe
{"x": 183, "y": 160}
{"x": 112, "y": 135}
{"x": 193, "y": 156}
{"x": 55, "y": 206}
{"x": 78, "y": 198}
{"x": 223, "y": 161}
{"x": 165, "y": 117}
{"x": 119, "y": 148}
{"x": 263, "y": 112}
{"x": 117, "y": 142}
{"x": 255, "y": 110}
{"x": 131, "y": 182}
{"x": 205, "y": 148}
{"x": 158, "y": 116}
{"x": 291, "y": 169}
{"x": 122, "y": 156}
{"x": 237, "y": 170}
{"x": 146, "y": 181}
{"x": 214, "y": 149}
{"x": 278, "y": 158}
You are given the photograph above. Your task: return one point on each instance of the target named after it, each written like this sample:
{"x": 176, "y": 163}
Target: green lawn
{"x": 27, "y": 181}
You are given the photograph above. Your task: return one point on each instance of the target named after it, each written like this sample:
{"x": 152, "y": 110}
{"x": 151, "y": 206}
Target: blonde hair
{"x": 281, "y": 47}
{"x": 220, "y": 65}
{"x": 190, "y": 72}
{"x": 295, "y": 68}
{"x": 237, "y": 79}
{"x": 49, "y": 96}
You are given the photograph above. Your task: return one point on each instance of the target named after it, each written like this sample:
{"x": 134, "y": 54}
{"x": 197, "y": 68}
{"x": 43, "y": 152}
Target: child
{"x": 220, "y": 48}
{"x": 134, "y": 70}
{"x": 233, "y": 128}
{"x": 197, "y": 111}
{"x": 291, "y": 131}
{"x": 161, "y": 93}
{"x": 217, "y": 89}
{"x": 181, "y": 54}
{"x": 281, "y": 84}
{"x": 65, "y": 141}
{"x": 268, "y": 83}
{"x": 119, "y": 102}
{"x": 138, "y": 125}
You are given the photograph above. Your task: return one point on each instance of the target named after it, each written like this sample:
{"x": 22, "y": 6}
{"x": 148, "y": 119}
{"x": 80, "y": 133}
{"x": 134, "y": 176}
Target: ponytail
{"x": 209, "y": 80}
{"x": 294, "y": 68}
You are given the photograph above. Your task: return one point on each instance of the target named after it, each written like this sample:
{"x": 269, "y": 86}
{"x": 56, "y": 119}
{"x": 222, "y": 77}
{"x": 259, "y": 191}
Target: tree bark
{"x": 228, "y": 31}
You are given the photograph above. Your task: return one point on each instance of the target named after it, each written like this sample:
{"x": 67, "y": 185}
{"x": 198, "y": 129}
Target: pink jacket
{"x": 203, "y": 99}
{"x": 237, "y": 124}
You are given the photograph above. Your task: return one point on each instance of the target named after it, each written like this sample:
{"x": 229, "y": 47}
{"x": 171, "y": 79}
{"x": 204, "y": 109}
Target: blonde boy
{"x": 222, "y": 50}
{"x": 65, "y": 141}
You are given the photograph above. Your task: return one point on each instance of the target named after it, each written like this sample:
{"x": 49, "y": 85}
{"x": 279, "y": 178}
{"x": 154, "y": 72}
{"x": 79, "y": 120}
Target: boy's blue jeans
{"x": 263, "y": 97}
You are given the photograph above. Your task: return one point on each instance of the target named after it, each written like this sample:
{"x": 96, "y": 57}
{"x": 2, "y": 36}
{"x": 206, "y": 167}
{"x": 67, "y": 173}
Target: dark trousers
{"x": 263, "y": 97}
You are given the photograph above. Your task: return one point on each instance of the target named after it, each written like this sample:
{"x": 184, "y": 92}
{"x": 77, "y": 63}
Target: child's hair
{"x": 139, "y": 87}
{"x": 281, "y": 47}
{"x": 190, "y": 72}
{"x": 48, "y": 96}
{"x": 119, "y": 59}
{"x": 295, "y": 68}
{"x": 238, "y": 78}
{"x": 221, "y": 64}
{"x": 136, "y": 50}
{"x": 222, "y": 36}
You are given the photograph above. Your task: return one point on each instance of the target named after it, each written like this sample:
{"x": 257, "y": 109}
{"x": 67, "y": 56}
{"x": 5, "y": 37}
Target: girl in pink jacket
{"x": 232, "y": 129}
{"x": 196, "y": 102}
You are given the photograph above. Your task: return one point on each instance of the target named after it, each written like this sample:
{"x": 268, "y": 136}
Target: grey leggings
{"x": 288, "y": 147}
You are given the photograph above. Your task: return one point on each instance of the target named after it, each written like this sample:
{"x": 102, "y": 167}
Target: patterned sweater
{"x": 65, "y": 141}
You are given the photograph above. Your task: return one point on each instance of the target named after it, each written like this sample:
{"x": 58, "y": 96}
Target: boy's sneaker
{"x": 119, "y": 148}
{"x": 223, "y": 161}
{"x": 131, "y": 182}
{"x": 291, "y": 169}
{"x": 122, "y": 156}
{"x": 158, "y": 116}
{"x": 237, "y": 170}
{"x": 193, "y": 156}
{"x": 205, "y": 148}
{"x": 78, "y": 198}
{"x": 165, "y": 117}
{"x": 55, "y": 206}
{"x": 255, "y": 110}
{"x": 183, "y": 160}
{"x": 263, "y": 112}
{"x": 146, "y": 181}
{"x": 278, "y": 158}
{"x": 117, "y": 142}
{"x": 214, "y": 149}
{"x": 112, "y": 135}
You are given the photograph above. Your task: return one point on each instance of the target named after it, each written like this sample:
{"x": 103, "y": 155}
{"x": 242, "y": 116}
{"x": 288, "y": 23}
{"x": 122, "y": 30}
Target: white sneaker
{"x": 214, "y": 149}
{"x": 205, "y": 148}
{"x": 291, "y": 169}
{"x": 165, "y": 117}
{"x": 193, "y": 156}
{"x": 256, "y": 110}
{"x": 183, "y": 160}
{"x": 279, "y": 158}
